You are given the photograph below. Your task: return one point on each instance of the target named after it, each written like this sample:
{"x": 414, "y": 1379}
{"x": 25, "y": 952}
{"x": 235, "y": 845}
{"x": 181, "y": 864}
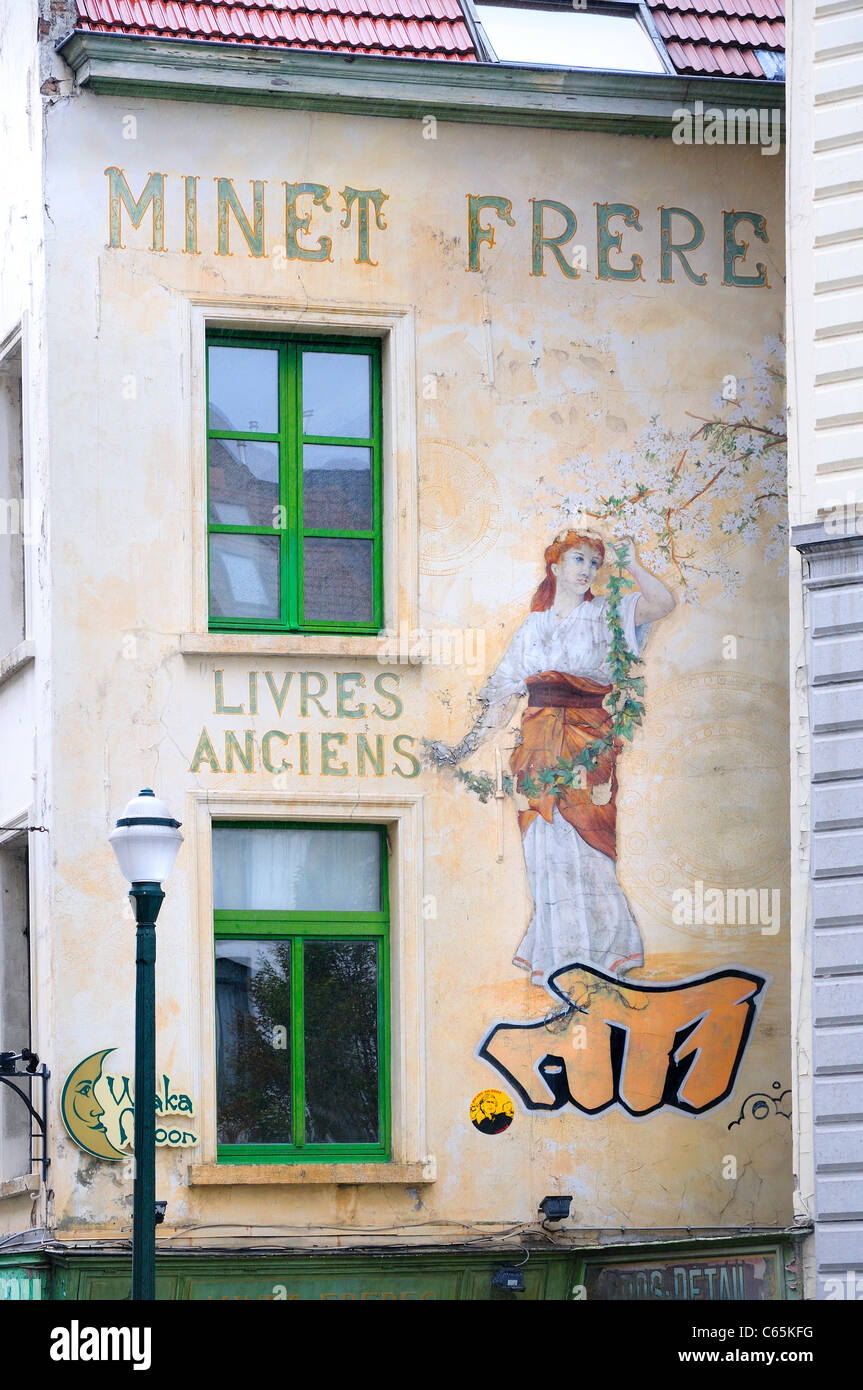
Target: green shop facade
{"x": 715, "y": 1270}
{"x": 399, "y": 455}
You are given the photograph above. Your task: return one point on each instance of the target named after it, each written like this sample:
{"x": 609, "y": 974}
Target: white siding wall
{"x": 836, "y": 39}
{"x": 825, "y": 312}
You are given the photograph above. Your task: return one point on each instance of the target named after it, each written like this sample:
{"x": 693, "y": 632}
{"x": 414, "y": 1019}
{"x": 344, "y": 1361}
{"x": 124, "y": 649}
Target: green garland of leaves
{"x": 483, "y": 784}
{"x": 624, "y": 702}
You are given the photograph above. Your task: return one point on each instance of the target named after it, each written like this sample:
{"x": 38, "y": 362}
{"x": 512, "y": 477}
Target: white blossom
{"x": 680, "y": 485}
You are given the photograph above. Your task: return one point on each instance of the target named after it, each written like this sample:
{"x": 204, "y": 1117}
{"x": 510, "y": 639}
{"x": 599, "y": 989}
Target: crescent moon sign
{"x": 81, "y": 1111}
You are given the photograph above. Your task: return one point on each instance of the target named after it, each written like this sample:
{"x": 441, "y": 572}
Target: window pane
{"x": 244, "y": 576}
{"x": 253, "y": 1036}
{"x": 337, "y": 487}
{"x": 341, "y": 1036}
{"x": 338, "y": 583}
{"x": 244, "y": 389}
{"x": 337, "y": 394}
{"x": 288, "y": 869}
{"x": 525, "y": 34}
{"x": 244, "y": 482}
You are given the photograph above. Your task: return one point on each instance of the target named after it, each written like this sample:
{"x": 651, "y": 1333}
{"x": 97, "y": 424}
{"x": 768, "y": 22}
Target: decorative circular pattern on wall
{"x": 694, "y": 799}
{"x": 459, "y": 508}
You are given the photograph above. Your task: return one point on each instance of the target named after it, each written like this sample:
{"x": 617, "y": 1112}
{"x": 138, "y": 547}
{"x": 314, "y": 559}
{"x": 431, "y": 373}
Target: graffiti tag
{"x": 638, "y": 1046}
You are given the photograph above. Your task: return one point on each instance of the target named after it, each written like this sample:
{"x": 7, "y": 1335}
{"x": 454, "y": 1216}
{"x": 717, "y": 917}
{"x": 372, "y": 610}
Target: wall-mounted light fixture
{"x": 9, "y": 1068}
{"x": 555, "y": 1208}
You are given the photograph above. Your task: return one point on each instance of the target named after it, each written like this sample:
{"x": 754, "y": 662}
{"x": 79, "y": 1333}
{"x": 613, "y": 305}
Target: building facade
{"x": 398, "y": 437}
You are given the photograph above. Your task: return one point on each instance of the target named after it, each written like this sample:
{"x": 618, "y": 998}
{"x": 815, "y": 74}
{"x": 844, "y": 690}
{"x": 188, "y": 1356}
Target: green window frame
{"x": 291, "y": 440}
{"x": 299, "y": 928}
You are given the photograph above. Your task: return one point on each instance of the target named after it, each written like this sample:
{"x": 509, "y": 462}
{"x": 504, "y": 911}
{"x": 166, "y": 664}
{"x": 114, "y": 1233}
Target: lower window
{"x": 302, "y": 992}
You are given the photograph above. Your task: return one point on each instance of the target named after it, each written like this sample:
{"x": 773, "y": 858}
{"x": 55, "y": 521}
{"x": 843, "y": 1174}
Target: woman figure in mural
{"x": 559, "y": 659}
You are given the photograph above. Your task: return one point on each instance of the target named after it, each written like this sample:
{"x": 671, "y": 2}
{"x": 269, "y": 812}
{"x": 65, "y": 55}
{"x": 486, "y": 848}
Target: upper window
{"x": 302, "y": 992}
{"x": 294, "y": 483}
{"x": 608, "y": 39}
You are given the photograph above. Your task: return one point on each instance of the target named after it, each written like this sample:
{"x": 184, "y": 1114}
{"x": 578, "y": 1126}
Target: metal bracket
{"x": 32, "y": 1070}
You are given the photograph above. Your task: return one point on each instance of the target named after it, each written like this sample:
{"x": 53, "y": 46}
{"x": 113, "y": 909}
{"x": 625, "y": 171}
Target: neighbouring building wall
{"x": 15, "y": 1121}
{"x": 20, "y": 142}
{"x": 825, "y": 493}
{"x": 13, "y": 519}
{"x": 25, "y": 637}
{"x": 20, "y": 386}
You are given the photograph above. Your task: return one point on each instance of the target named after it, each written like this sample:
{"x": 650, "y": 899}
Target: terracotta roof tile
{"x": 705, "y": 37}
{"x": 720, "y": 37}
{"x": 398, "y": 28}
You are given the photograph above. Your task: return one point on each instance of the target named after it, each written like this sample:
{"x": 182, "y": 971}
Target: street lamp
{"x": 146, "y": 840}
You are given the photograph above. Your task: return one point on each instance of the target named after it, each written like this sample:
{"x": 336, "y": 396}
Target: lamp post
{"x": 146, "y": 840}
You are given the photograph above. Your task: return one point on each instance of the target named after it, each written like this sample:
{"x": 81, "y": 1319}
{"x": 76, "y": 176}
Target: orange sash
{"x": 563, "y": 729}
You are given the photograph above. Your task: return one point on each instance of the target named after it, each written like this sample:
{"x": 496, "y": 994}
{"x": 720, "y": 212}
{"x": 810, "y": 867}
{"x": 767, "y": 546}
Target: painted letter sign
{"x": 98, "y": 1110}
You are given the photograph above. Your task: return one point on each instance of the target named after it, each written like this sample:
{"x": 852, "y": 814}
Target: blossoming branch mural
{"x": 685, "y": 487}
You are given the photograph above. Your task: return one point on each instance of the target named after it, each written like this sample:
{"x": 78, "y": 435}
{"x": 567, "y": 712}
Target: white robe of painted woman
{"x": 580, "y": 912}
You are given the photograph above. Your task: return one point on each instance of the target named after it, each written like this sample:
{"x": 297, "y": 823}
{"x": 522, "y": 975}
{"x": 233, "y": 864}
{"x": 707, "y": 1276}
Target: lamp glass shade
{"x": 146, "y": 840}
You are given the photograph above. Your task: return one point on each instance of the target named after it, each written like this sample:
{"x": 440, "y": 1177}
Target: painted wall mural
{"x": 574, "y": 653}
{"x": 692, "y": 491}
{"x": 576, "y": 659}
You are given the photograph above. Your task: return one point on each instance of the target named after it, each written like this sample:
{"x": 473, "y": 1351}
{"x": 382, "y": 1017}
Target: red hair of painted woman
{"x": 570, "y": 540}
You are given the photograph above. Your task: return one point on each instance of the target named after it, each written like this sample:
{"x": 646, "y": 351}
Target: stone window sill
{"x": 26, "y": 1186}
{"x": 279, "y": 644}
{"x": 310, "y": 1174}
{"x": 16, "y": 660}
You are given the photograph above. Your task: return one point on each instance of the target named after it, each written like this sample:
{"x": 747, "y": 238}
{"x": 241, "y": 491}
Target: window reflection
{"x": 341, "y": 1042}
{"x": 337, "y": 394}
{"x": 244, "y": 576}
{"x": 244, "y": 482}
{"x": 338, "y": 582}
{"x": 253, "y": 1001}
{"x": 244, "y": 389}
{"x": 337, "y": 487}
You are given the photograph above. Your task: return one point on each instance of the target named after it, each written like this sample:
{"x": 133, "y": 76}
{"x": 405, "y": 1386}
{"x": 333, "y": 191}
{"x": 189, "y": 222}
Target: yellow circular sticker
{"x": 491, "y": 1112}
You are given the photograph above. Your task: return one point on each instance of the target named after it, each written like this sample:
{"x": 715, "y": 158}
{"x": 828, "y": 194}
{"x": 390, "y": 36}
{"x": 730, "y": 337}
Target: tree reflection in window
{"x": 253, "y": 1042}
{"x": 341, "y": 1041}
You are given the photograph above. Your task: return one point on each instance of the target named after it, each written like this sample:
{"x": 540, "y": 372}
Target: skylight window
{"x": 569, "y": 38}
{"x": 772, "y": 64}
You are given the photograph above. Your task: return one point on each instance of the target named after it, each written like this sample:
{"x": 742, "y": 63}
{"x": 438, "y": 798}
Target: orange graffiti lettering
{"x": 639, "y": 1046}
